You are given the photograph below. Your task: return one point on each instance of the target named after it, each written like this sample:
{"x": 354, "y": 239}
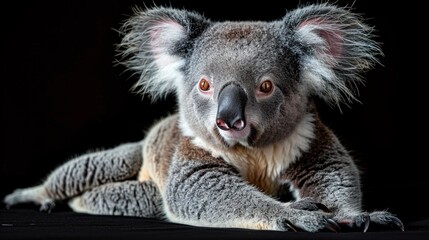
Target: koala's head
{"x": 248, "y": 82}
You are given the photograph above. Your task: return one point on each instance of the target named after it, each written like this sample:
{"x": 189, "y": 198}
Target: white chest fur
{"x": 263, "y": 166}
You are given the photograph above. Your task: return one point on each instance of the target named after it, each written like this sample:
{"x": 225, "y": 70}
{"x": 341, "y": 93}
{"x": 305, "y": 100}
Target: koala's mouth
{"x": 232, "y": 136}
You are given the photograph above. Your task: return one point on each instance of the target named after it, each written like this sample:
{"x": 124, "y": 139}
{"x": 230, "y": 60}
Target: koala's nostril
{"x": 239, "y": 125}
{"x": 222, "y": 124}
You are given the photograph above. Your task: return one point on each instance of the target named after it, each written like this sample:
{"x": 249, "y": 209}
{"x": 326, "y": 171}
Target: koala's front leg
{"x": 81, "y": 174}
{"x": 332, "y": 180}
{"x": 205, "y": 191}
{"x": 339, "y": 192}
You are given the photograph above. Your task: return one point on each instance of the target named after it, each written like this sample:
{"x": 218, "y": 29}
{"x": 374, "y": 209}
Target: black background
{"x": 62, "y": 94}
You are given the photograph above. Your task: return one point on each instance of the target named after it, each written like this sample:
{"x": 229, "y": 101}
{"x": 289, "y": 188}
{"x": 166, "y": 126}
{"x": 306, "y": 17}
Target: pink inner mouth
{"x": 234, "y": 134}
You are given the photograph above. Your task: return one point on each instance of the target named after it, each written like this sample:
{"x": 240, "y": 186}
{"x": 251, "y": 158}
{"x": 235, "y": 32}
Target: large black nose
{"x": 231, "y": 104}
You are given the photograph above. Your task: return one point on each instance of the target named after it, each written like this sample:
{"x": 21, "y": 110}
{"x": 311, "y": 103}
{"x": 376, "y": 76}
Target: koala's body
{"x": 246, "y": 132}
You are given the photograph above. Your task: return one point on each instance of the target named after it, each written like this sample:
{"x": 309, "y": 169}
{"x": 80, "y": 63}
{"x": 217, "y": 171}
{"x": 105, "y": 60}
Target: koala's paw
{"x": 309, "y": 221}
{"x": 309, "y": 204}
{"x": 36, "y": 195}
{"x": 374, "y": 221}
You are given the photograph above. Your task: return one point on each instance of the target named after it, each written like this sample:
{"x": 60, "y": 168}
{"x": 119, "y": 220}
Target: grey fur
{"x": 94, "y": 169}
{"x": 190, "y": 170}
{"x": 128, "y": 198}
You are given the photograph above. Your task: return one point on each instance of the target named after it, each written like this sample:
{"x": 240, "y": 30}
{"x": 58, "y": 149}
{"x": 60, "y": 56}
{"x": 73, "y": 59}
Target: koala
{"x": 245, "y": 147}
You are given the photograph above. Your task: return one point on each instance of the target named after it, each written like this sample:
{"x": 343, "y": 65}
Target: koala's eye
{"x": 204, "y": 85}
{"x": 266, "y": 86}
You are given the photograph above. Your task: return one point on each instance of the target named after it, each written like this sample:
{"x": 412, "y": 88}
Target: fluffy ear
{"x": 155, "y": 45}
{"x": 336, "y": 47}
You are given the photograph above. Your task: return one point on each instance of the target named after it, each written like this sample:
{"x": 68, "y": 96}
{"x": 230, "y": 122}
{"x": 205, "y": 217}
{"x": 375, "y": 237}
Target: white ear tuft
{"x": 164, "y": 35}
{"x": 155, "y": 45}
{"x": 337, "y": 47}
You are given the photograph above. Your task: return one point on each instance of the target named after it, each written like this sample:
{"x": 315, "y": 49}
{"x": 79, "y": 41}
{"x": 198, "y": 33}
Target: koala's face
{"x": 249, "y": 82}
{"x": 242, "y": 86}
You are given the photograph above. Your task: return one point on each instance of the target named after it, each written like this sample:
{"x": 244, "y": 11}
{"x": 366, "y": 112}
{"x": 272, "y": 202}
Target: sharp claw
{"x": 322, "y": 207}
{"x": 289, "y": 225}
{"x": 333, "y": 226}
{"x": 398, "y": 223}
{"x": 47, "y": 206}
{"x": 367, "y": 221}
